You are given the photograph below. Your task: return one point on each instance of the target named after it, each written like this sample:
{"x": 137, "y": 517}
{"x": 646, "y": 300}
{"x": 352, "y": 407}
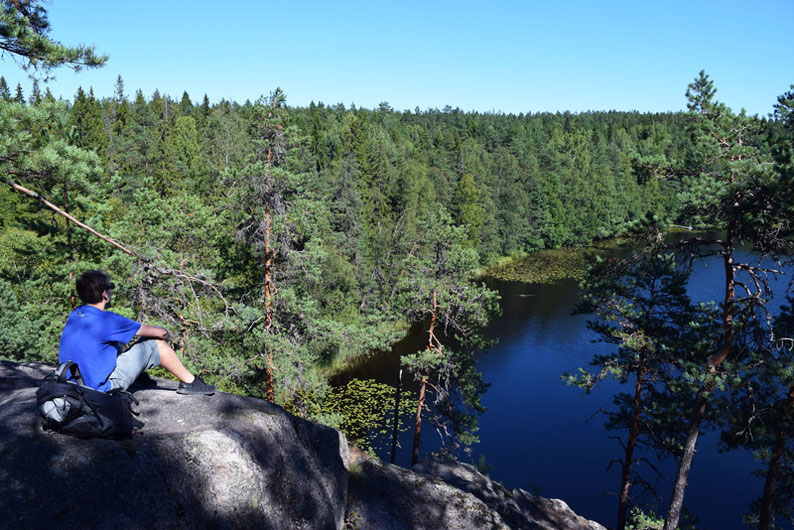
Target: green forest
{"x": 304, "y": 237}
{"x": 281, "y": 244}
{"x": 353, "y": 198}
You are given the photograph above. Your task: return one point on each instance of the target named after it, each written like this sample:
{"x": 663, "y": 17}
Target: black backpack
{"x": 72, "y": 408}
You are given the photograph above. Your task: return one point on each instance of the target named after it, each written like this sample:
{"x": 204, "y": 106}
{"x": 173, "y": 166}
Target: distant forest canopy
{"x": 282, "y": 239}
{"x": 519, "y": 183}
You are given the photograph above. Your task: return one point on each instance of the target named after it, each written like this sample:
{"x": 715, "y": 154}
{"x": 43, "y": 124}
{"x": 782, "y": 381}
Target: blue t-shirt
{"x": 91, "y": 338}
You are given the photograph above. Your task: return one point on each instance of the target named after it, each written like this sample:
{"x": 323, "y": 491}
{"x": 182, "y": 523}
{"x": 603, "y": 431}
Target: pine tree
{"x": 763, "y": 419}
{"x": 19, "y": 97}
{"x": 37, "y": 158}
{"x": 203, "y": 113}
{"x": 5, "y": 93}
{"x": 468, "y": 208}
{"x": 182, "y": 150}
{"x": 163, "y": 171}
{"x": 137, "y": 161}
{"x": 34, "y": 146}
{"x": 437, "y": 289}
{"x": 116, "y": 115}
{"x": 185, "y": 105}
{"x": 35, "y": 93}
{"x": 318, "y": 136}
{"x": 643, "y": 309}
{"x": 718, "y": 189}
{"x": 782, "y": 189}
{"x": 87, "y": 118}
{"x": 25, "y": 38}
{"x": 264, "y": 198}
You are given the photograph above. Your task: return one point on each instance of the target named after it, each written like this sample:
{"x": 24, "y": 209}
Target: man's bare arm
{"x": 153, "y": 332}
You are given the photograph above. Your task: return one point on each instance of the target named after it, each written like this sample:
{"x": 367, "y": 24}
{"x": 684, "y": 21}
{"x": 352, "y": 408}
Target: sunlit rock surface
{"x": 519, "y": 508}
{"x": 391, "y": 497}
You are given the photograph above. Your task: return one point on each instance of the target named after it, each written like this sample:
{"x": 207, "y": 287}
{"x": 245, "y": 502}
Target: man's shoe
{"x": 198, "y": 386}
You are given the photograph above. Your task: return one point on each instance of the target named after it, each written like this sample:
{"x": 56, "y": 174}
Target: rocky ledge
{"x": 443, "y": 493}
{"x": 228, "y": 461}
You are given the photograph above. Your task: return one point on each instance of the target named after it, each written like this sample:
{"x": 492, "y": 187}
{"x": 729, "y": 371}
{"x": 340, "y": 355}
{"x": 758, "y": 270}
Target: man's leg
{"x": 140, "y": 357}
{"x": 146, "y": 354}
{"x": 170, "y": 361}
{"x": 190, "y": 384}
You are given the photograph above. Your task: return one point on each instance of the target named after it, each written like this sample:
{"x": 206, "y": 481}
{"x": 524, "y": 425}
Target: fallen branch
{"x": 84, "y": 226}
{"x": 158, "y": 269}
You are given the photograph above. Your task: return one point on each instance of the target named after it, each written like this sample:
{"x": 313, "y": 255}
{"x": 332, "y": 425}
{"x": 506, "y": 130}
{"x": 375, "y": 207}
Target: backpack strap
{"x": 88, "y": 404}
{"x": 129, "y": 400}
{"x": 126, "y": 396}
{"x": 68, "y": 370}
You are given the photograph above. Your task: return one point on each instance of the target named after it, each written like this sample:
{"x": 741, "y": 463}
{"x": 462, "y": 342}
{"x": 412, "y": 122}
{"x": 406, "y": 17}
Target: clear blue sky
{"x": 509, "y": 56}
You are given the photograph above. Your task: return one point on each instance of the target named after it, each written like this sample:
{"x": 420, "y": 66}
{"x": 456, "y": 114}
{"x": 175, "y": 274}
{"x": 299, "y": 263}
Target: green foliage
{"x": 367, "y": 411}
{"x": 183, "y": 152}
{"x": 780, "y": 136}
{"x": 361, "y": 243}
{"x": 24, "y": 29}
{"x": 89, "y": 126}
{"x": 761, "y": 418}
{"x": 350, "y": 236}
{"x": 438, "y": 291}
{"x": 725, "y": 180}
{"x": 643, "y": 309}
{"x": 5, "y": 93}
{"x": 639, "y": 520}
{"x": 468, "y": 207}
{"x": 663, "y": 341}
{"x": 727, "y": 160}
{"x": 550, "y": 265}
{"x": 482, "y": 466}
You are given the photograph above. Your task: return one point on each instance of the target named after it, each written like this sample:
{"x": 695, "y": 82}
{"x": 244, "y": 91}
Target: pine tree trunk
{"x": 766, "y": 510}
{"x": 271, "y": 393}
{"x": 677, "y": 499}
{"x": 59, "y": 211}
{"x": 634, "y": 431}
{"x": 713, "y": 363}
{"x": 418, "y": 426}
{"x": 431, "y": 345}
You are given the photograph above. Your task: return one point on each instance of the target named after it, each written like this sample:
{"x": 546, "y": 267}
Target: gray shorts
{"x": 141, "y": 356}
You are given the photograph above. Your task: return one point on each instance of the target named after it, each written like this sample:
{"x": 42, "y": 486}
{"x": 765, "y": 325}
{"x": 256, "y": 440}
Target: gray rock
{"x": 199, "y": 462}
{"x": 518, "y": 508}
{"x": 227, "y": 461}
{"x": 385, "y": 496}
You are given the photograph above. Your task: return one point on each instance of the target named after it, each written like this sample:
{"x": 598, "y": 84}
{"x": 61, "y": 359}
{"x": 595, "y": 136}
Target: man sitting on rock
{"x": 95, "y": 338}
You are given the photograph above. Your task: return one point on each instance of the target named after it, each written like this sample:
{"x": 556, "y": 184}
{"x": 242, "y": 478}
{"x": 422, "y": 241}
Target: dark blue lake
{"x": 543, "y": 436}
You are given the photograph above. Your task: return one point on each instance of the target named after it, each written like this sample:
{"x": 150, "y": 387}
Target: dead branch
{"x": 165, "y": 271}
{"x": 84, "y": 226}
